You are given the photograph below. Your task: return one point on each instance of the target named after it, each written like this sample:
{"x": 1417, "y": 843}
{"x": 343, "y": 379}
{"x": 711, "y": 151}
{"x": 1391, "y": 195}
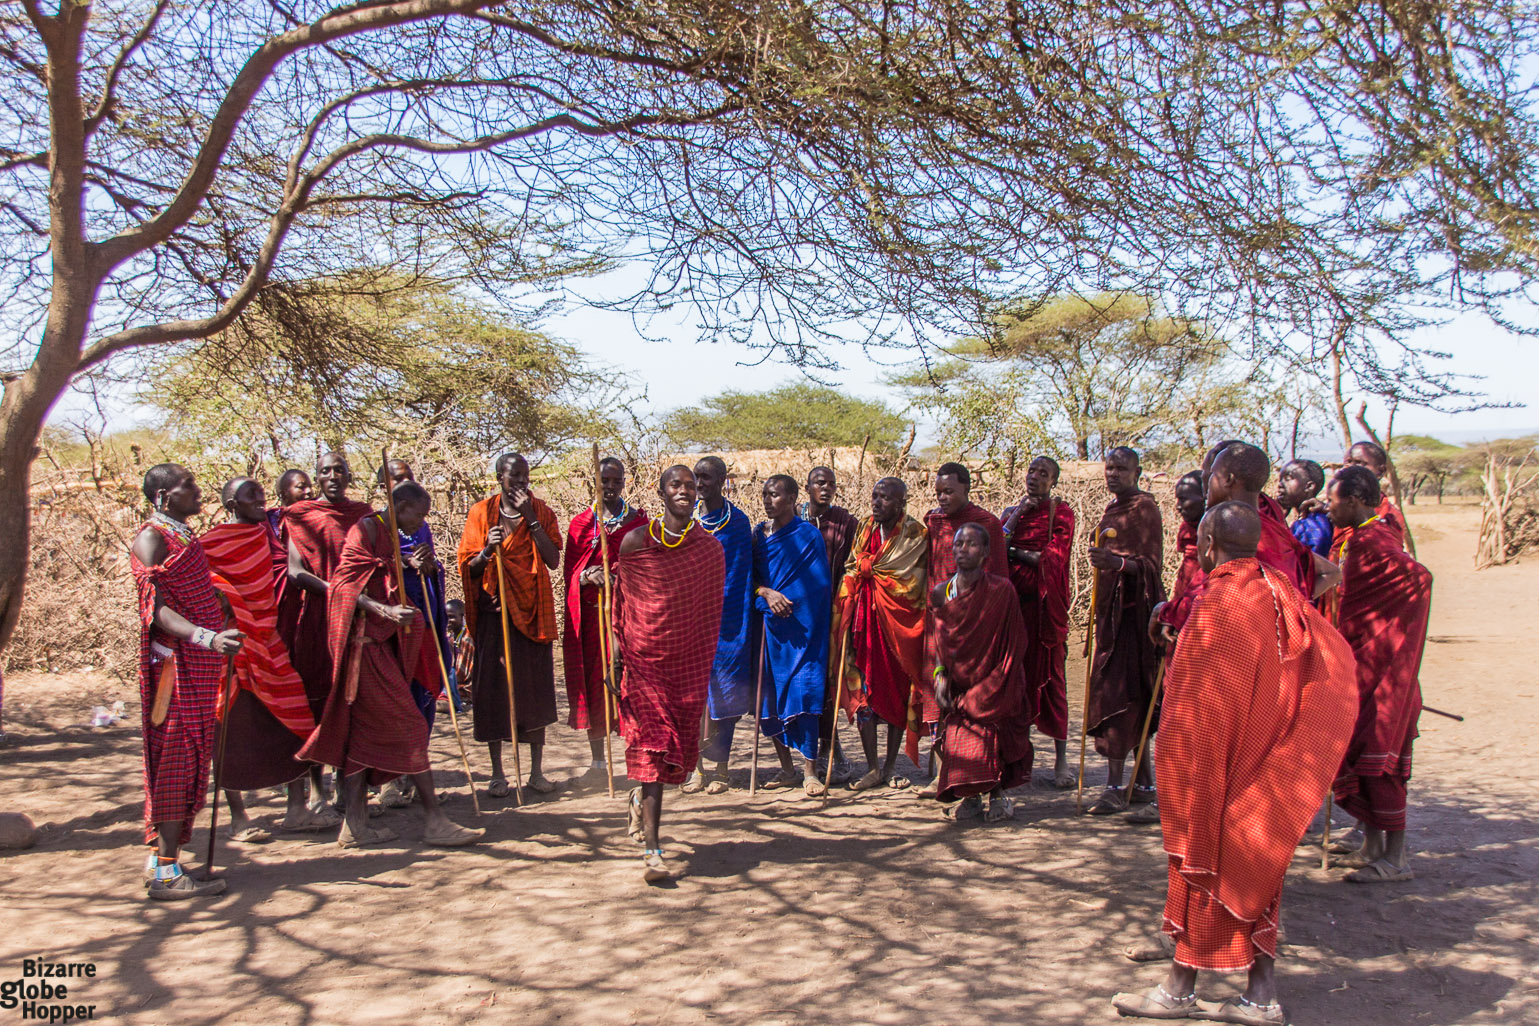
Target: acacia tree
{"x": 794, "y": 169}
{"x": 795, "y": 416}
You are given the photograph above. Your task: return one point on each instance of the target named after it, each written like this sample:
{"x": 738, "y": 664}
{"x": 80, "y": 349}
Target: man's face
{"x": 410, "y": 515}
{"x": 1362, "y": 456}
{"x": 333, "y": 476}
{"x": 1189, "y": 501}
{"x": 777, "y": 500}
{"x": 1344, "y": 510}
{"x": 1040, "y": 479}
{"x": 1293, "y": 486}
{"x": 821, "y": 487}
{"x": 1121, "y": 474}
{"x": 950, "y": 494}
{"x": 1207, "y": 556}
{"x": 708, "y": 482}
{"x": 678, "y": 493}
{"x": 184, "y": 499}
{"x": 514, "y": 476}
{"x": 398, "y": 471}
{"x": 1221, "y": 485}
{"x": 297, "y": 488}
{"x": 887, "y": 504}
{"x": 250, "y": 503}
{"x": 611, "y": 482}
{"x": 970, "y": 547}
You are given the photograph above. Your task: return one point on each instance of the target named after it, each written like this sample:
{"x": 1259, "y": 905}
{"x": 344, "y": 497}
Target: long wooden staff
{"x": 443, "y": 669}
{"x": 605, "y": 604}
{"x": 833, "y": 732}
{"x": 1143, "y": 739}
{"x": 758, "y": 697}
{"x": 395, "y": 538}
{"x": 507, "y": 665}
{"x": 228, "y": 689}
{"x": 1084, "y": 719}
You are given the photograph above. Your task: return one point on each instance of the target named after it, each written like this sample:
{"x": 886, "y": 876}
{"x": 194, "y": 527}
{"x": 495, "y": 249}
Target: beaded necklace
{"x": 611, "y": 523}
{"x": 662, "y": 536}
{"x": 713, "y": 522}
{"x": 173, "y": 526}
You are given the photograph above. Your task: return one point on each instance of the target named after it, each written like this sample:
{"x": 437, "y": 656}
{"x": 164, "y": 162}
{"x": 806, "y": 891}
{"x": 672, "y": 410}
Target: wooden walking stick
{"x": 758, "y": 694}
{"x": 395, "y": 537}
{"x": 227, "y": 694}
{"x": 1084, "y": 719}
{"x": 1143, "y": 739}
{"x": 611, "y": 687}
{"x": 606, "y": 600}
{"x": 1325, "y": 835}
{"x": 507, "y": 667}
{"x": 833, "y": 733}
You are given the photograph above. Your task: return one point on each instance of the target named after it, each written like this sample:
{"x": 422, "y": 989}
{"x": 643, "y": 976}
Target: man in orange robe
{"x": 879, "y": 625}
{"x": 1386, "y": 600}
{"x": 1259, "y": 696}
{"x": 521, "y": 532}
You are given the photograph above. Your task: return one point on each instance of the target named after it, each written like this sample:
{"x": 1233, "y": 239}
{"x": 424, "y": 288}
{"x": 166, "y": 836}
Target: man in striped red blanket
{"x": 182, "y": 647}
{"x": 667, "y": 624}
{"x": 268, "y": 717}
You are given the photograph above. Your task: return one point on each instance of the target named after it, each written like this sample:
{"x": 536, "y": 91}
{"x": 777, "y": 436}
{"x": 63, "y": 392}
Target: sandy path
{"x": 869, "y": 910}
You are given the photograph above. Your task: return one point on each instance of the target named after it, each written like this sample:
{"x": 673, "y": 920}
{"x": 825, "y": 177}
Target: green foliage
{"x": 332, "y": 364}
{"x": 1076, "y": 375}
{"x": 795, "y": 416}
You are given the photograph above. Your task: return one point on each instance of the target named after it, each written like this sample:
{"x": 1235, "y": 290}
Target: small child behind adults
{"x": 458, "y": 654}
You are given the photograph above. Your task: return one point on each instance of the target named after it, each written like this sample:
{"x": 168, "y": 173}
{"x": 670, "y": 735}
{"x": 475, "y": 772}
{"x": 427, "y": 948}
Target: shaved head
{"x": 982, "y": 534}
{"x": 667, "y": 475}
{"x": 1246, "y": 463}
{"x": 894, "y": 484}
{"x": 1370, "y": 455}
{"x": 227, "y": 493}
{"x": 1235, "y": 528}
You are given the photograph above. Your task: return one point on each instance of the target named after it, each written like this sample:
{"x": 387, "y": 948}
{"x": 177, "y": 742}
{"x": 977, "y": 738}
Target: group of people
{"x": 1282, "y": 662}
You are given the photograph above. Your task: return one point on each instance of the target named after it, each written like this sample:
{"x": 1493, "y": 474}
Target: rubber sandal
{"x": 1381, "y": 871}
{"x": 322, "y": 818}
{"x": 1145, "y": 814}
{"x": 653, "y": 868}
{"x": 633, "y": 825}
{"x": 1155, "y": 1004}
{"x": 454, "y": 836}
{"x": 968, "y": 808}
{"x": 498, "y": 787}
{"x": 1245, "y": 1013}
{"x": 898, "y": 783}
{"x": 694, "y": 784}
{"x": 251, "y": 835}
{"x": 1109, "y": 804}
{"x": 1000, "y": 811}
{"x": 717, "y": 786}
{"x": 371, "y": 835}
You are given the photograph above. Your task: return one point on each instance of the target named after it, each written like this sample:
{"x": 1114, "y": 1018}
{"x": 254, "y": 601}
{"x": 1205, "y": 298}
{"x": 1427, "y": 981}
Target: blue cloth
{"x": 731, "y": 689}
{"x": 794, "y": 562}
{"x": 435, "y": 595}
{"x": 1315, "y": 531}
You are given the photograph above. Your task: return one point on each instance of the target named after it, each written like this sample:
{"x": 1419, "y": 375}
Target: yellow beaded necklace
{"x": 662, "y": 536}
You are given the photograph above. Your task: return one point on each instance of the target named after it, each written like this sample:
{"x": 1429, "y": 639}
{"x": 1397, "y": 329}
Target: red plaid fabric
{"x": 580, "y": 656}
{"x": 178, "y": 752}
{"x": 1258, "y": 698}
{"x": 1044, "y": 596}
{"x": 667, "y": 618}
{"x": 942, "y": 531}
{"x": 317, "y": 528}
{"x": 242, "y": 555}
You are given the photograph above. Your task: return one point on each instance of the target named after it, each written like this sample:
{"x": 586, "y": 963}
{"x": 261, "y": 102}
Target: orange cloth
{"x": 532, "y": 608}
{"x": 1260, "y": 699}
{"x": 879, "y": 620}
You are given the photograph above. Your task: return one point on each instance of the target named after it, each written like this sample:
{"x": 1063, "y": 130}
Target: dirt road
{"x": 866, "y": 910}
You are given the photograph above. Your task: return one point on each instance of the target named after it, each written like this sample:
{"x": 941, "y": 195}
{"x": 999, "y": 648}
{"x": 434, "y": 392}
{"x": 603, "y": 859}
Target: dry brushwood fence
{"x": 80, "y": 610}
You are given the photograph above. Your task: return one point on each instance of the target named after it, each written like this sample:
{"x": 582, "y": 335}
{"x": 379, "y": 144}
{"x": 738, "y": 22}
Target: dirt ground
{"x": 868, "y": 909}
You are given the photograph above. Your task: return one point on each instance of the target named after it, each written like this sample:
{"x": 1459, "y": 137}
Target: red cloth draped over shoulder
{"x": 880, "y": 606}
{"x": 1188, "y": 578}
{"x": 317, "y": 529}
{"x": 1126, "y": 600}
{"x": 1386, "y": 601}
{"x": 987, "y": 735}
{"x": 1044, "y": 595}
{"x": 532, "y": 605}
{"x": 838, "y": 527}
{"x": 1257, "y": 699}
{"x": 942, "y": 530}
{"x": 179, "y": 750}
{"x": 1389, "y": 515}
{"x": 581, "y": 659}
{"x": 1278, "y": 549}
{"x": 667, "y": 620}
{"x": 243, "y": 558}
{"x": 391, "y": 735}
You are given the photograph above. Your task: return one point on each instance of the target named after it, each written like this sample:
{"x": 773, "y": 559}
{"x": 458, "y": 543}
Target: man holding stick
{"x": 667, "y": 622}
{"x": 1258, "y": 694}
{"x": 182, "y": 647}
{"x": 1386, "y": 600}
{"x": 513, "y": 633}
{"x": 582, "y": 568}
{"x": 268, "y": 717}
{"x": 838, "y": 526}
{"x": 980, "y": 684}
{"x": 372, "y": 723}
{"x": 879, "y": 626}
{"x": 1040, "y": 530}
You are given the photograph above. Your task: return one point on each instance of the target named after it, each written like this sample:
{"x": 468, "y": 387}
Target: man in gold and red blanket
{"x": 1386, "y": 600}
{"x": 879, "y": 626}
{"x": 1040, "y": 530}
{"x": 980, "y": 683}
{"x": 371, "y": 724}
{"x": 1259, "y": 696}
{"x": 268, "y": 717}
{"x": 667, "y": 624}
